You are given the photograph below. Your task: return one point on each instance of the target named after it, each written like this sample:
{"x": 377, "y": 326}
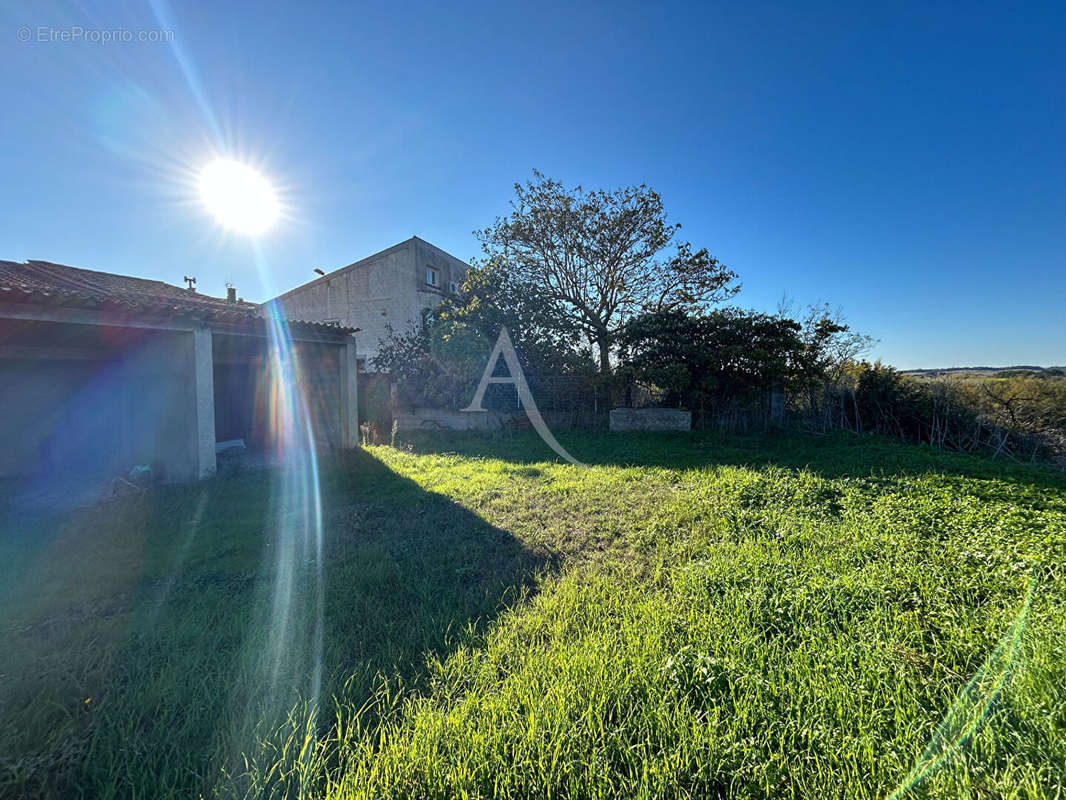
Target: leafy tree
{"x": 439, "y": 361}
{"x": 602, "y": 257}
{"x": 727, "y": 357}
{"x": 492, "y": 297}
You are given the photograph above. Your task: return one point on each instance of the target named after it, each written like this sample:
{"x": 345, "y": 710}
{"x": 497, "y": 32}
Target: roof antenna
{"x": 190, "y": 283}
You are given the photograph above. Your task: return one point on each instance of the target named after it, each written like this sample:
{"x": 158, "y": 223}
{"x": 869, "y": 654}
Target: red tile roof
{"x": 48, "y": 278}
{"x": 44, "y": 283}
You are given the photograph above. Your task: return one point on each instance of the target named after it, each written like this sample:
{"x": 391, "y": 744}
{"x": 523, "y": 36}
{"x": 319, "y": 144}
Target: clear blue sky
{"x": 907, "y": 164}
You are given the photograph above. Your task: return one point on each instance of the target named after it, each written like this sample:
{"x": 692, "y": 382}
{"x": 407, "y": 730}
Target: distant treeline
{"x": 999, "y": 372}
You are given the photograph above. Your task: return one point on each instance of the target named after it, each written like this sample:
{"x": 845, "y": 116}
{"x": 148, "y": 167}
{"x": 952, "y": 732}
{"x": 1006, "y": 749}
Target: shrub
{"x": 966, "y": 416}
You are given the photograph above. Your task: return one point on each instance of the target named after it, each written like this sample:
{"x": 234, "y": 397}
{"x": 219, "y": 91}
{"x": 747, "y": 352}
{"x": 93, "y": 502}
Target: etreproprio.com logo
{"x": 76, "y": 34}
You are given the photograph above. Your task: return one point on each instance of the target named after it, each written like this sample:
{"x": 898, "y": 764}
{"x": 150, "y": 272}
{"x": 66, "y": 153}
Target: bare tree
{"x": 603, "y": 256}
{"x": 832, "y": 344}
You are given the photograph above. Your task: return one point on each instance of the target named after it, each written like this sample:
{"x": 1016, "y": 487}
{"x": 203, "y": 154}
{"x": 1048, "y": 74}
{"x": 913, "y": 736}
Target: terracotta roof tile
{"x": 46, "y": 283}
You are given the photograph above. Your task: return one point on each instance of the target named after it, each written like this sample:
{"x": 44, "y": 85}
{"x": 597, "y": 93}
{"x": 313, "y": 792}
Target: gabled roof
{"x": 45, "y": 283}
{"x": 362, "y": 262}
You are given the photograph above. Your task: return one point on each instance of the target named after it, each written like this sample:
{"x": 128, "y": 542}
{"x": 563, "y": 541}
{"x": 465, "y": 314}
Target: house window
{"x": 433, "y": 277}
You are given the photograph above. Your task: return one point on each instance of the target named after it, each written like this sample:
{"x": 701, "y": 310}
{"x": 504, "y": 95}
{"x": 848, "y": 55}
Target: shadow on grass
{"x": 138, "y": 656}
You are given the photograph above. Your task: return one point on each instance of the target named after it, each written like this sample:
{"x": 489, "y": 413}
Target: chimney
{"x": 231, "y": 294}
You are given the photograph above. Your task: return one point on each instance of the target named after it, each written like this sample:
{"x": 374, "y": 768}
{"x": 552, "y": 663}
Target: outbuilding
{"x": 102, "y": 373}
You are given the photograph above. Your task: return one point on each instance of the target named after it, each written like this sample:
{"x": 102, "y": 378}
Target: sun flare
{"x": 239, "y": 197}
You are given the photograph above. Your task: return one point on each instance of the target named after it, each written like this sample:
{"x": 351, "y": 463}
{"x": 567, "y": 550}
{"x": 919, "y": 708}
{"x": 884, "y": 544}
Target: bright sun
{"x": 238, "y": 196}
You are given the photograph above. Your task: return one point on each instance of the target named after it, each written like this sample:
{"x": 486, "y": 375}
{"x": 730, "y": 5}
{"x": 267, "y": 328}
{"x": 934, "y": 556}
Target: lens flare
{"x": 238, "y": 197}
{"x": 972, "y": 705}
{"x": 294, "y": 622}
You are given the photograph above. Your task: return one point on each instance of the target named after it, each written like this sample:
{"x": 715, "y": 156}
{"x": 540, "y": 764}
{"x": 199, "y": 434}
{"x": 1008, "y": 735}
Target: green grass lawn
{"x": 692, "y": 616}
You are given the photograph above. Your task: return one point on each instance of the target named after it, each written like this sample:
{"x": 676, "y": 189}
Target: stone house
{"x": 393, "y": 287}
{"x": 99, "y": 372}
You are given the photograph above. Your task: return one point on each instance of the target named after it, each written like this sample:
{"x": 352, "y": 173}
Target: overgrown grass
{"x": 692, "y": 616}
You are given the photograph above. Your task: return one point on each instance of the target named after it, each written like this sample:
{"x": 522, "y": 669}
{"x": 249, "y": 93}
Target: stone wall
{"x": 650, "y": 419}
{"x": 437, "y": 419}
